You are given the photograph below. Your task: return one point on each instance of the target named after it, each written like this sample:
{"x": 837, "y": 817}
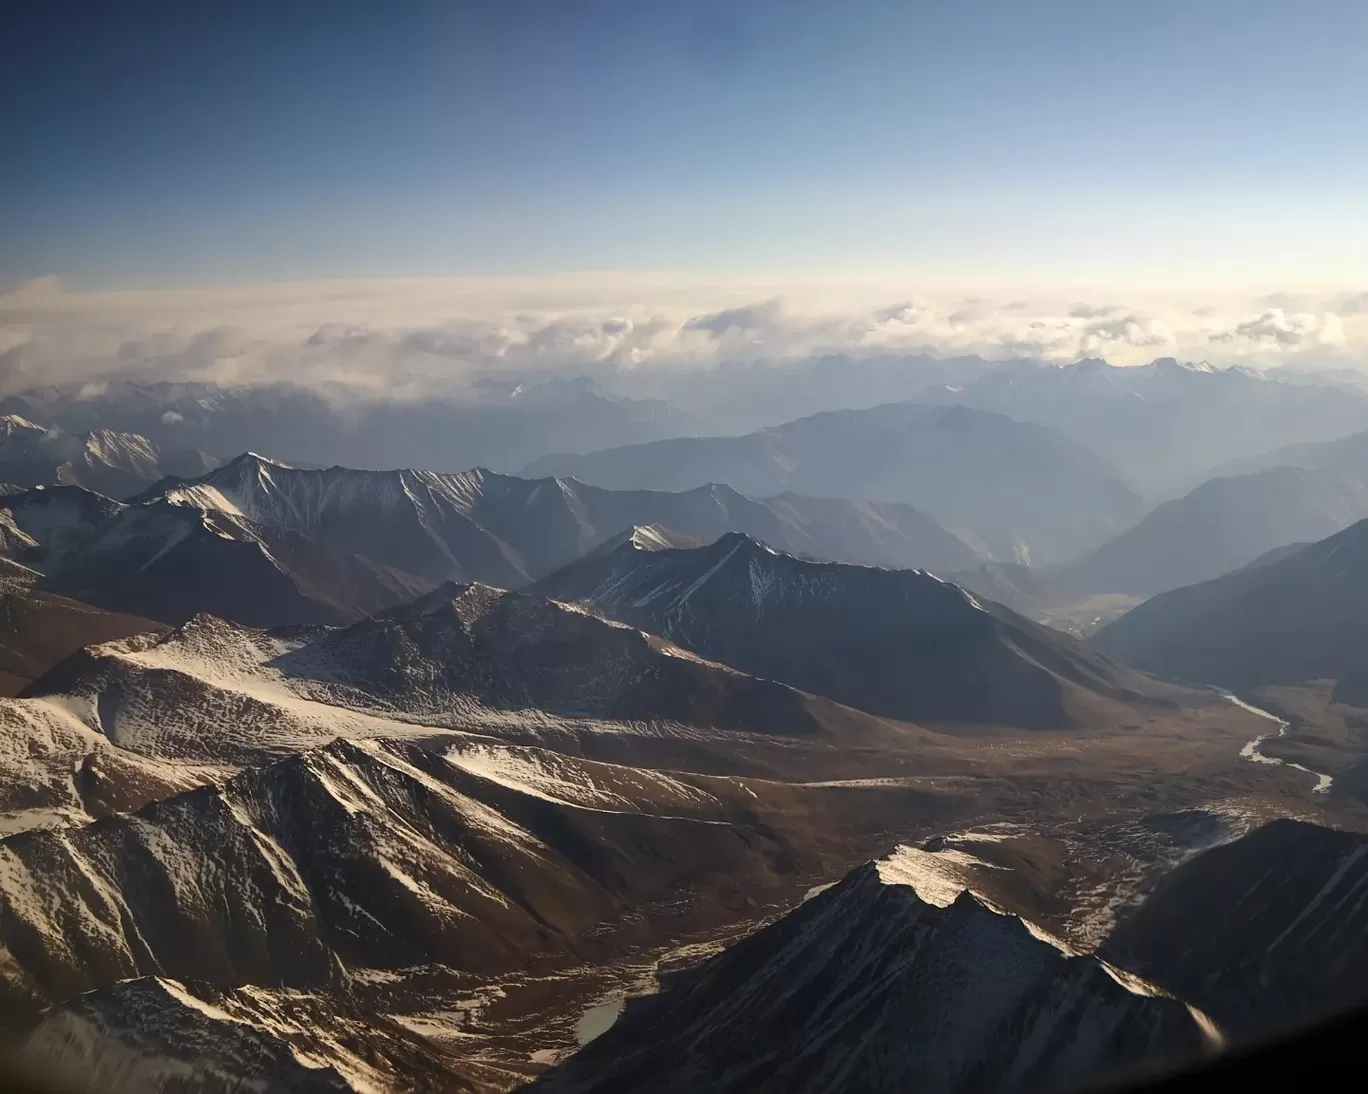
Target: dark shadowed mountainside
{"x": 898, "y": 643}
{"x": 38, "y": 629}
{"x": 1262, "y": 933}
{"x": 872, "y": 986}
{"x": 1297, "y": 617}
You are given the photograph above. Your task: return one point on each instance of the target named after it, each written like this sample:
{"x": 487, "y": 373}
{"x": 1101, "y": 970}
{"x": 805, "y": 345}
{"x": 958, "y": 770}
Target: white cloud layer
{"x": 407, "y": 338}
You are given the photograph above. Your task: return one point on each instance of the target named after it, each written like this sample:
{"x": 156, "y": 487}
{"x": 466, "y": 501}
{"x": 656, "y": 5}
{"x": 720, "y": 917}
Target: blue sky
{"x": 1214, "y": 141}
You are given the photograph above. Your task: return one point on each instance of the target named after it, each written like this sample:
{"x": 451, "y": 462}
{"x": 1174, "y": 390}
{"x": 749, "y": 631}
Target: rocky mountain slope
{"x": 38, "y": 629}
{"x": 1019, "y": 587}
{"x": 1262, "y": 933}
{"x": 200, "y": 936}
{"x": 161, "y": 1035}
{"x": 168, "y": 561}
{"x": 371, "y": 856}
{"x": 1026, "y": 491}
{"x": 1218, "y": 527}
{"x": 885, "y": 983}
{"x": 1297, "y": 617}
{"x": 898, "y": 643}
{"x": 912, "y": 973}
{"x": 362, "y": 854}
{"x": 47, "y": 524}
{"x": 471, "y": 657}
{"x": 116, "y": 725}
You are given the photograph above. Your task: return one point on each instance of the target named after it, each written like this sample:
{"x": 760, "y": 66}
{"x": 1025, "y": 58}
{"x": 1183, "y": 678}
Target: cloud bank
{"x": 405, "y": 339}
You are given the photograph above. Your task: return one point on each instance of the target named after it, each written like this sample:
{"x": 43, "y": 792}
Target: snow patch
{"x": 937, "y": 877}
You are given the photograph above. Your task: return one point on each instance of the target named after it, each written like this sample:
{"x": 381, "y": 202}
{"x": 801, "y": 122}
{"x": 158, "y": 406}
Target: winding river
{"x": 1251, "y": 751}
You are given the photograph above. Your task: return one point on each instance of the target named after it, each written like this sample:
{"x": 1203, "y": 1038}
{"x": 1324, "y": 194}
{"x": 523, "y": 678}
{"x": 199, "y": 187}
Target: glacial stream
{"x": 1251, "y": 751}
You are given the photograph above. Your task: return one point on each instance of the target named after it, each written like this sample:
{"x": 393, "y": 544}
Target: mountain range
{"x": 501, "y": 425}
{"x": 214, "y": 697}
{"x": 410, "y": 851}
{"x": 740, "y": 396}
{"x": 1345, "y": 455}
{"x": 263, "y": 543}
{"x": 1021, "y": 490}
{"x": 103, "y": 460}
{"x": 369, "y": 781}
{"x": 1167, "y": 424}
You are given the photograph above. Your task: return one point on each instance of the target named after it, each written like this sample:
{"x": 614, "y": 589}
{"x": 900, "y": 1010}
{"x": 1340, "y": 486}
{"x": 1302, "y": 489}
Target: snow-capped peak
{"x": 14, "y": 423}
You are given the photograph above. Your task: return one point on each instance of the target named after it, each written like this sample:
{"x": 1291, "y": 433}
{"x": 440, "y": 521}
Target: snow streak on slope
{"x": 359, "y": 854}
{"x": 938, "y": 877}
{"x": 55, "y": 769}
{"x": 128, "y": 721}
{"x": 158, "y": 1035}
{"x": 567, "y": 781}
{"x": 476, "y": 659}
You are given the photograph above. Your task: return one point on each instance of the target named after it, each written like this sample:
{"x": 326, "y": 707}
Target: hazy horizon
{"x": 395, "y": 197}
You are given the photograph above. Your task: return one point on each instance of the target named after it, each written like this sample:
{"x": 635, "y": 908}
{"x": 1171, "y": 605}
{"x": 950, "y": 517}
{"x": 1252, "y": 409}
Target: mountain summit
{"x": 877, "y": 985}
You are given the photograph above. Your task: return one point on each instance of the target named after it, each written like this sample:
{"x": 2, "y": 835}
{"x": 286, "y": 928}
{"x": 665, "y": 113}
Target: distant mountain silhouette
{"x": 1293, "y": 617}
{"x": 1165, "y": 425}
{"x": 1218, "y": 527}
{"x": 108, "y": 462}
{"x": 501, "y": 426}
{"x": 1024, "y": 490}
